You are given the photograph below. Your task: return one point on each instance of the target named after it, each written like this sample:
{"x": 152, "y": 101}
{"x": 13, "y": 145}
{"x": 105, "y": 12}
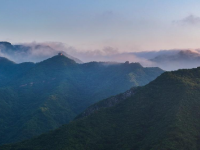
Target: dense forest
{"x": 38, "y": 97}
{"x": 162, "y": 115}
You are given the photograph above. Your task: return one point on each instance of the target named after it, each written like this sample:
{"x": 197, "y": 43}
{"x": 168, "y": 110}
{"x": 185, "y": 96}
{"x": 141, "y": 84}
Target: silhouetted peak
{"x": 59, "y": 59}
{"x": 6, "y": 45}
{"x": 5, "y": 61}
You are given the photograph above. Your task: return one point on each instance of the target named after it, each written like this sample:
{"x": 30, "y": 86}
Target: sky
{"x": 125, "y": 25}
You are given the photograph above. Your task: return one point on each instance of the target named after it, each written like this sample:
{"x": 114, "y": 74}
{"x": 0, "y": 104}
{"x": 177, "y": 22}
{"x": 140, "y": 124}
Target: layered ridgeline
{"x": 163, "y": 115}
{"x": 43, "y": 96}
{"x": 34, "y": 52}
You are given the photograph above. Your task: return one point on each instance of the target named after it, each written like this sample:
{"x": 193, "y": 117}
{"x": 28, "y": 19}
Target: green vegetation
{"x": 163, "y": 115}
{"x": 36, "y": 98}
{"x": 9, "y": 70}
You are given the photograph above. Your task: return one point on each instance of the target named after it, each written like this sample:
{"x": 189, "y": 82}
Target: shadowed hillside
{"x": 43, "y": 96}
{"x": 162, "y": 115}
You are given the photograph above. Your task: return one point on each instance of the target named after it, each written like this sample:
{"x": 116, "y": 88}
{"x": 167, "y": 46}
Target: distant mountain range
{"x": 182, "y": 59}
{"x": 30, "y": 52}
{"x": 38, "y": 97}
{"x": 172, "y": 59}
{"x": 152, "y": 54}
{"x": 163, "y": 115}
{"x": 166, "y": 59}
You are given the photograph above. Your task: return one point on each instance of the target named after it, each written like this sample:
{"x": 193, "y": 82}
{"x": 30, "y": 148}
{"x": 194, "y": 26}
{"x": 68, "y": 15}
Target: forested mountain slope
{"x": 162, "y": 115}
{"x": 39, "y": 97}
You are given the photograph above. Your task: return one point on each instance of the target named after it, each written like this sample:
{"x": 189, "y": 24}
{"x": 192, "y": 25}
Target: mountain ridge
{"x": 161, "y": 115}
{"x": 45, "y": 95}
{"x": 30, "y": 52}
